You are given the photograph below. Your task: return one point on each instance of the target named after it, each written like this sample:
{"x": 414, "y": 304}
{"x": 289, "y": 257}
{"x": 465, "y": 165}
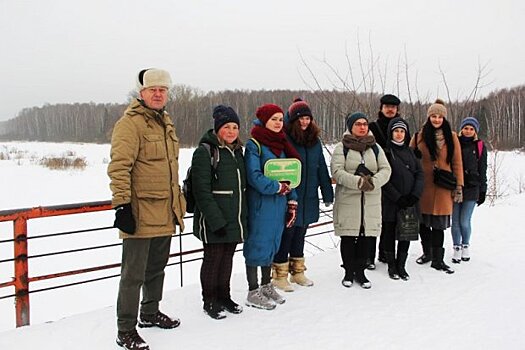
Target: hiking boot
{"x": 214, "y": 310}
{"x": 131, "y": 340}
{"x": 465, "y": 253}
{"x": 230, "y": 306}
{"x": 297, "y": 270}
{"x": 158, "y": 319}
{"x": 456, "y": 258}
{"x": 258, "y": 300}
{"x": 269, "y": 291}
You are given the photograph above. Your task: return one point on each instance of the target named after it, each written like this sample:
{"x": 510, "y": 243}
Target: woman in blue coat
{"x": 271, "y": 204}
{"x": 303, "y": 133}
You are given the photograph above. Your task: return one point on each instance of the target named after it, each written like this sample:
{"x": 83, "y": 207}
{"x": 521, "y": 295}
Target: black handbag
{"x": 407, "y": 225}
{"x": 444, "y": 178}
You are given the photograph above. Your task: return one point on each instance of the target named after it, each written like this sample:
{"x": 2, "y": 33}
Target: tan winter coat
{"x": 144, "y": 171}
{"x": 347, "y": 204}
{"x": 437, "y": 200}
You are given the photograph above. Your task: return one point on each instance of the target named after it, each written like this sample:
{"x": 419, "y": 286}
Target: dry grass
{"x": 64, "y": 163}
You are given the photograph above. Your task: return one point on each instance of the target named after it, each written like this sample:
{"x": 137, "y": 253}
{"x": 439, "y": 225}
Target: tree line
{"x": 501, "y": 114}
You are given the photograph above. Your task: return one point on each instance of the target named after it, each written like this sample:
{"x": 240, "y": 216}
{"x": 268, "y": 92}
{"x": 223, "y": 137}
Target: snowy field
{"x": 480, "y": 306}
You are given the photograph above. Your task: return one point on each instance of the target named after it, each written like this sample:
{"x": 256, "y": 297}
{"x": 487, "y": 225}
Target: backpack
{"x": 187, "y": 185}
{"x": 479, "y": 149}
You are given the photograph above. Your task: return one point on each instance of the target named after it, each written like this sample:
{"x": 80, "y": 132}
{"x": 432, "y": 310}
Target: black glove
{"x": 402, "y": 202}
{"x": 481, "y": 198}
{"x": 418, "y": 153}
{"x": 220, "y": 232}
{"x": 412, "y": 200}
{"x": 124, "y": 220}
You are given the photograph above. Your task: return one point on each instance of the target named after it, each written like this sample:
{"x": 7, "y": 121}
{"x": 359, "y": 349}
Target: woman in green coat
{"x": 220, "y": 220}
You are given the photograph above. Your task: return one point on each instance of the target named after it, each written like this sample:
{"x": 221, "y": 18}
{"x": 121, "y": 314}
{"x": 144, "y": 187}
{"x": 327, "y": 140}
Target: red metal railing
{"x": 21, "y": 280}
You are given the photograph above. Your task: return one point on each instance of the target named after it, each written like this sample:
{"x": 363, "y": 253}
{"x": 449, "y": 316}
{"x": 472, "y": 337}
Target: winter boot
{"x": 214, "y": 310}
{"x": 427, "y": 254}
{"x": 269, "y": 291}
{"x": 231, "y": 306}
{"x": 437, "y": 261}
{"x": 359, "y": 275}
{"x": 370, "y": 265}
{"x": 400, "y": 263}
{"x": 297, "y": 270}
{"x": 348, "y": 279}
{"x": 131, "y": 340}
{"x": 456, "y": 258}
{"x": 256, "y": 299}
{"x": 280, "y": 277}
{"x": 465, "y": 254}
{"x": 392, "y": 268}
{"x": 158, "y": 319}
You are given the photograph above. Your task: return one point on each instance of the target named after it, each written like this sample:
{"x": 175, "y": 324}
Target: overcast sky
{"x": 63, "y": 51}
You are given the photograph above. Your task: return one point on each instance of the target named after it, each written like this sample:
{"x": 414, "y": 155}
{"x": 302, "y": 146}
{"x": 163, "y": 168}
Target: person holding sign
{"x": 303, "y": 134}
{"x": 360, "y": 168}
{"x": 272, "y": 203}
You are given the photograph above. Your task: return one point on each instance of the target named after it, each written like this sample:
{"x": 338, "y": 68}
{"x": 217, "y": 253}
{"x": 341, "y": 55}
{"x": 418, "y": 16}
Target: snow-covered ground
{"x": 480, "y": 306}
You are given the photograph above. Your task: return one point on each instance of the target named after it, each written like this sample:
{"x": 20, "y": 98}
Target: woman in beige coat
{"x": 360, "y": 168}
{"x": 437, "y": 146}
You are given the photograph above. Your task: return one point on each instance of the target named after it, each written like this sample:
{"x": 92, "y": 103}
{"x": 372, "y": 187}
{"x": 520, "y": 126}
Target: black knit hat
{"x": 390, "y": 100}
{"x": 352, "y": 118}
{"x": 222, "y": 115}
{"x": 298, "y": 109}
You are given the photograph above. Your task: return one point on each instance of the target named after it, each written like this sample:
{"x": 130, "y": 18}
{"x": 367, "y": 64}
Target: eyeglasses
{"x": 359, "y": 124}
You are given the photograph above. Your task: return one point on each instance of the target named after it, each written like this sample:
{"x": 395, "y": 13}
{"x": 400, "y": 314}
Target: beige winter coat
{"x": 144, "y": 171}
{"x": 347, "y": 204}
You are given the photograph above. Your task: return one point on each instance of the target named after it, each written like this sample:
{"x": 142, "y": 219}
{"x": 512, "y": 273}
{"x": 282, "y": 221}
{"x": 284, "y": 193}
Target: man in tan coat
{"x": 148, "y": 203}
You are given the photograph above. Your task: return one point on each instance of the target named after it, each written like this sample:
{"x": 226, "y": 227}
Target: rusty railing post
{"x": 21, "y": 272}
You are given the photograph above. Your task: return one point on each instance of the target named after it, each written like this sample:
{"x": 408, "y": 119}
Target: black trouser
{"x": 372, "y": 243}
{"x": 388, "y": 237}
{"x": 292, "y": 244}
{"x": 216, "y": 270}
{"x": 354, "y": 252}
{"x": 251, "y": 275}
{"x": 431, "y": 237}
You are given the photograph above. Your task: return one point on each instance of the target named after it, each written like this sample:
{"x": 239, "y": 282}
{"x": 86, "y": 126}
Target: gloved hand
{"x": 327, "y": 204}
{"x": 220, "y": 232}
{"x": 284, "y": 188}
{"x": 457, "y": 195}
{"x": 412, "y": 200}
{"x": 402, "y": 202}
{"x": 481, "y": 198}
{"x": 124, "y": 220}
{"x": 366, "y": 183}
{"x": 291, "y": 214}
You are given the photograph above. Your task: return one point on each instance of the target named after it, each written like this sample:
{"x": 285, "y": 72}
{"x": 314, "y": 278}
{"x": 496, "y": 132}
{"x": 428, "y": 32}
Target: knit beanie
{"x": 297, "y": 109}
{"x": 153, "y": 77}
{"x": 472, "y": 122}
{"x": 265, "y": 112}
{"x": 352, "y": 118}
{"x": 389, "y": 100}
{"x": 437, "y": 107}
{"x": 223, "y": 115}
{"x": 399, "y": 124}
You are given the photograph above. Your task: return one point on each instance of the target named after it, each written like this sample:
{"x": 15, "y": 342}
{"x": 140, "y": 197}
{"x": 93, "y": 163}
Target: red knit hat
{"x": 265, "y": 112}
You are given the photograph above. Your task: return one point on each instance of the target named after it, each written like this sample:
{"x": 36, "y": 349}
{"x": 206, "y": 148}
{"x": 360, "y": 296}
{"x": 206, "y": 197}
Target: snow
{"x": 479, "y": 306}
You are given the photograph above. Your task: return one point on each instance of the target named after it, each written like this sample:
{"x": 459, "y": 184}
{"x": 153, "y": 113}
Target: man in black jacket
{"x": 388, "y": 109}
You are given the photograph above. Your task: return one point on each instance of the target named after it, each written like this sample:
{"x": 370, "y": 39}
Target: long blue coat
{"x": 314, "y": 174}
{"x": 266, "y": 209}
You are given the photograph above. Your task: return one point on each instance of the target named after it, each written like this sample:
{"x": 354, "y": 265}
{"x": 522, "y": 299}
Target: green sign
{"x": 284, "y": 169}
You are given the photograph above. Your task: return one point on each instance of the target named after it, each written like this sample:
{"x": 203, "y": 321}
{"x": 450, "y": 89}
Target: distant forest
{"x": 501, "y": 115}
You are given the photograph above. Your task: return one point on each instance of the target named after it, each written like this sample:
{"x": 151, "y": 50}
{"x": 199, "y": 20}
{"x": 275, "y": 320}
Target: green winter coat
{"x": 220, "y": 198}
{"x": 144, "y": 171}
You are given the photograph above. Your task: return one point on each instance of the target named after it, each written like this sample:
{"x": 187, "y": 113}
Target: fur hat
{"x": 352, "y": 118}
{"x": 297, "y": 109}
{"x": 389, "y": 100}
{"x": 265, "y": 112}
{"x": 437, "y": 107}
{"x": 223, "y": 115}
{"x": 472, "y": 122}
{"x": 153, "y": 77}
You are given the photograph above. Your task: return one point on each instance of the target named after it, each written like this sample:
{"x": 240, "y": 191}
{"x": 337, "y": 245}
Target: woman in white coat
{"x": 360, "y": 168}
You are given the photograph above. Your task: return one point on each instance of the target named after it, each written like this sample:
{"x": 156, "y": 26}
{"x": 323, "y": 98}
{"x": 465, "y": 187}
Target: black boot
{"x": 392, "y": 268}
{"x": 426, "y": 244}
{"x": 214, "y": 310}
{"x": 359, "y": 274}
{"x": 400, "y": 263}
{"x": 348, "y": 279}
{"x": 437, "y": 260}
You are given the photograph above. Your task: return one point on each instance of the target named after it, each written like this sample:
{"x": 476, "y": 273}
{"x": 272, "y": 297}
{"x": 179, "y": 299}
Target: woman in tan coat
{"x": 438, "y": 146}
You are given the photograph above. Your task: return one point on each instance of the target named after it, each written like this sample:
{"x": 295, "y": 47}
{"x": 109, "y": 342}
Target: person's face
{"x": 389, "y": 111}
{"x": 155, "y": 97}
{"x": 398, "y": 134}
{"x": 468, "y": 131}
{"x": 229, "y": 132}
{"x": 360, "y": 127}
{"x": 275, "y": 123}
{"x": 436, "y": 120}
{"x": 304, "y": 122}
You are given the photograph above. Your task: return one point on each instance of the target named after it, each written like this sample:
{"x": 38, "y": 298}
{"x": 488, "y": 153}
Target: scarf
{"x": 440, "y": 138}
{"x": 276, "y": 141}
{"x": 359, "y": 144}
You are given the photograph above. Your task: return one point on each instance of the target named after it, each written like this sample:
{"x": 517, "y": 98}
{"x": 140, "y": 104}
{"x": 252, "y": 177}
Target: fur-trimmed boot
{"x": 456, "y": 258}
{"x": 280, "y": 277}
{"x": 297, "y": 270}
